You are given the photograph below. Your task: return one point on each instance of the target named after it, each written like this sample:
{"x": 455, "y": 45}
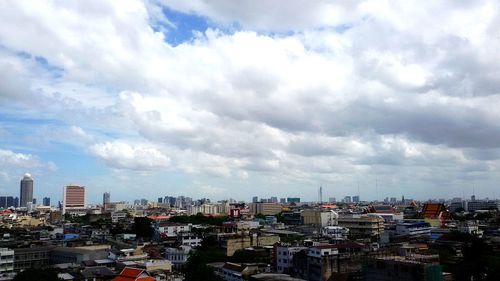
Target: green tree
{"x": 143, "y": 227}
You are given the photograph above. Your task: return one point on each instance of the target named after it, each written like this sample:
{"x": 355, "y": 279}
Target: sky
{"x": 233, "y": 99}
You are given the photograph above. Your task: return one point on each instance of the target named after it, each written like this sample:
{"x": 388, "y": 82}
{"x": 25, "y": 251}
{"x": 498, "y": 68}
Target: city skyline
{"x": 232, "y": 100}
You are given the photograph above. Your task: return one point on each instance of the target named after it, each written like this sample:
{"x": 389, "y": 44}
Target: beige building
{"x": 319, "y": 217}
{"x": 265, "y": 208}
{"x": 232, "y": 244}
{"x": 362, "y": 225}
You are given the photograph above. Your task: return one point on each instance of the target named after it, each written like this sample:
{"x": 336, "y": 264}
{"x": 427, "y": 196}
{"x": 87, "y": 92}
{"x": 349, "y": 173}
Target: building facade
{"x": 73, "y": 199}
{"x": 26, "y": 191}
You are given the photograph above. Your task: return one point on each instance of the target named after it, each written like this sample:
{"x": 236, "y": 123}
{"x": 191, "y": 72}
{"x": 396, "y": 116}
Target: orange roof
{"x": 432, "y": 210}
{"x": 329, "y": 206}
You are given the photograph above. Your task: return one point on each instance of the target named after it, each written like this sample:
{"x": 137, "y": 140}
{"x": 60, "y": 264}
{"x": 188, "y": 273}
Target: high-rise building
{"x": 33, "y": 201}
{"x": 16, "y": 202}
{"x": 46, "y": 201}
{"x": 73, "y": 198}
{"x": 347, "y": 199}
{"x": 160, "y": 200}
{"x": 355, "y": 199}
{"x": 6, "y": 201}
{"x": 26, "y": 192}
{"x": 255, "y": 199}
{"x": 106, "y": 198}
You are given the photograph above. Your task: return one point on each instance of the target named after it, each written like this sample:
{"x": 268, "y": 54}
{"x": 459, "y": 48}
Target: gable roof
{"x": 133, "y": 274}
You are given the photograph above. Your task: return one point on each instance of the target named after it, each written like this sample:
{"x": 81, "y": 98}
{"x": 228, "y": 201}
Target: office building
{"x": 355, "y": 199}
{"x": 26, "y": 190}
{"x": 293, "y": 200}
{"x": 46, "y": 201}
{"x": 160, "y": 200}
{"x": 347, "y": 199}
{"x": 106, "y": 197}
{"x": 73, "y": 199}
{"x": 265, "y": 208}
{"x": 6, "y": 202}
{"x": 255, "y": 199}
{"x": 34, "y": 201}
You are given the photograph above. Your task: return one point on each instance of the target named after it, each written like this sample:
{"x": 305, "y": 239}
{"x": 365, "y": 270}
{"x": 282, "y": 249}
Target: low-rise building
{"x": 319, "y": 217}
{"x": 178, "y": 256}
{"x": 362, "y": 225}
{"x": 6, "y": 261}
{"x": 402, "y": 268}
{"x": 284, "y": 257}
{"x": 413, "y": 229}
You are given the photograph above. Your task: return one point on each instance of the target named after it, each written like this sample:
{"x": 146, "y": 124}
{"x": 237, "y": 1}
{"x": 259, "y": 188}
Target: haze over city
{"x": 234, "y": 99}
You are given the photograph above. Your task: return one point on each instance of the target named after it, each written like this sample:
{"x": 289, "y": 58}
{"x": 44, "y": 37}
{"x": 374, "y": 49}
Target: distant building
{"x": 274, "y": 199}
{"x": 6, "y": 202}
{"x": 34, "y": 201}
{"x": 293, "y": 200}
{"x": 355, "y": 199}
{"x": 26, "y": 190}
{"x": 106, "y": 198}
{"x": 332, "y": 200}
{"x": 73, "y": 199}
{"x": 255, "y": 199}
{"x": 283, "y": 200}
{"x": 46, "y": 201}
{"x": 347, "y": 199}
{"x": 144, "y": 202}
{"x": 483, "y": 205}
{"x": 265, "y": 208}
{"x": 160, "y": 200}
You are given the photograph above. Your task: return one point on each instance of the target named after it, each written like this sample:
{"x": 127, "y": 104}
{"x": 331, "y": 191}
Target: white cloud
{"x": 122, "y": 155}
{"x": 355, "y": 88}
{"x": 9, "y": 158}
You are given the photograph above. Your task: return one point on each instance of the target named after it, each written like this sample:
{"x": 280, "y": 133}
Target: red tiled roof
{"x": 132, "y": 274}
{"x": 432, "y": 210}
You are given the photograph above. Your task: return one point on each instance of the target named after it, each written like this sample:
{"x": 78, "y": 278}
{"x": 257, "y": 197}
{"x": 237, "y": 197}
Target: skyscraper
{"x": 106, "y": 197}
{"x": 73, "y": 198}
{"x": 46, "y": 201}
{"x": 26, "y": 192}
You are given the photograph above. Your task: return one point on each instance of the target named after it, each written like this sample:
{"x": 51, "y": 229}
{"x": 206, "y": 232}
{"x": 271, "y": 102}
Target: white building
{"x": 284, "y": 257}
{"x": 413, "y": 229}
{"x": 6, "y": 261}
{"x": 335, "y": 232}
{"x": 178, "y": 256}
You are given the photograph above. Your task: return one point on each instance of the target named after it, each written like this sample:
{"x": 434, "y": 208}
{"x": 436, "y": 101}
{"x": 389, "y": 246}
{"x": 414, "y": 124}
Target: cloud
{"x": 9, "y": 158}
{"x": 287, "y": 94}
{"x": 122, "y": 155}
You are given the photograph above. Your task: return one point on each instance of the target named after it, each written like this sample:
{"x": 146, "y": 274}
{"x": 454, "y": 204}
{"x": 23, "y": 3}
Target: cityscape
{"x": 184, "y": 238}
{"x": 249, "y": 140}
